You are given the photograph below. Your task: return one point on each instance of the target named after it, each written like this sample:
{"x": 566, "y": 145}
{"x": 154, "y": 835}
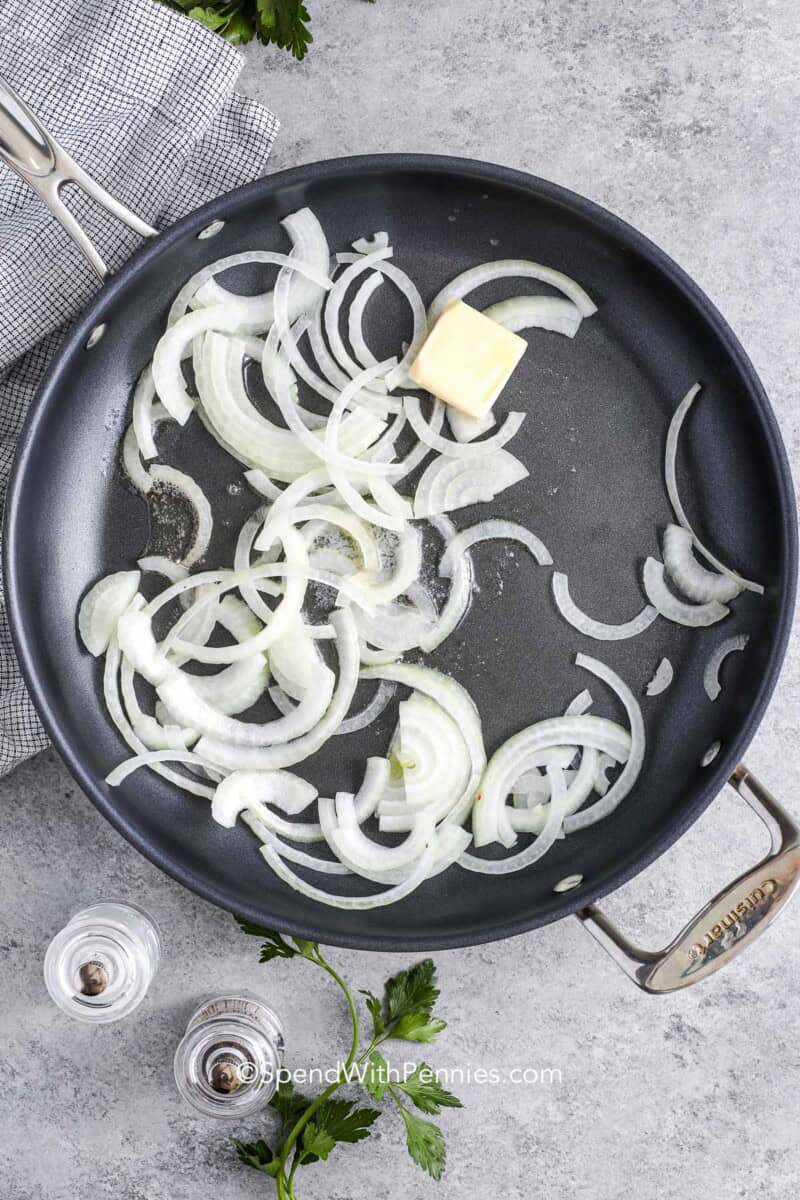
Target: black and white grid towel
{"x": 143, "y": 99}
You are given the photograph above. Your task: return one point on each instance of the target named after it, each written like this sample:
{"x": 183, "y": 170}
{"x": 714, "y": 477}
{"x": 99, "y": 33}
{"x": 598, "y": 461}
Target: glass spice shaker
{"x": 99, "y": 967}
{"x": 229, "y": 1061}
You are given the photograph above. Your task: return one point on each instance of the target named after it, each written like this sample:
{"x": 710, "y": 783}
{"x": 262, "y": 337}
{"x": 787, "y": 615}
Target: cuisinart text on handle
{"x": 768, "y": 887}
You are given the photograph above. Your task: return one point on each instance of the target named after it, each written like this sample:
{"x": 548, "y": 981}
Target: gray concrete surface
{"x": 682, "y": 117}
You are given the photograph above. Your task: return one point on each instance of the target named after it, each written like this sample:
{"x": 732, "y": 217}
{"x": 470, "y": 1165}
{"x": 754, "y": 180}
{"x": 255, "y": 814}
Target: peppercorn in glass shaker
{"x": 99, "y": 967}
{"x": 229, "y": 1061}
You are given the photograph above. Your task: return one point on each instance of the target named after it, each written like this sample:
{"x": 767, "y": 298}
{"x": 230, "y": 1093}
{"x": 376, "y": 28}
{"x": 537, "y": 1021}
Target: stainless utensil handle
{"x": 27, "y": 147}
{"x": 729, "y": 922}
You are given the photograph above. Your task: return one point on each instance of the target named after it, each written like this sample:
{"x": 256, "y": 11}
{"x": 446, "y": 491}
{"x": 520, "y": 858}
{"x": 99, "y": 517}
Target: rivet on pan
{"x": 95, "y": 336}
{"x": 568, "y": 883}
{"x": 710, "y": 754}
{"x": 211, "y": 230}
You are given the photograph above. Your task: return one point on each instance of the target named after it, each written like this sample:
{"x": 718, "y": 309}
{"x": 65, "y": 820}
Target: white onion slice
{"x": 450, "y": 483}
{"x": 465, "y": 428}
{"x": 355, "y": 318}
{"x": 597, "y": 629}
{"x": 136, "y": 641}
{"x": 398, "y": 377}
{"x": 536, "y": 312}
{"x": 126, "y": 768}
{"x": 458, "y": 704}
{"x": 489, "y": 530}
{"x": 144, "y": 396}
{"x": 242, "y": 788}
{"x": 262, "y": 484}
{"x": 579, "y": 704}
{"x": 180, "y": 482}
{"x": 436, "y": 761}
{"x": 354, "y": 903}
{"x": 365, "y": 245}
{"x": 670, "y": 475}
{"x": 662, "y": 678}
{"x": 462, "y": 450}
{"x": 711, "y": 674}
{"x": 159, "y": 564}
{"x": 515, "y": 755}
{"x": 460, "y": 594}
{"x": 371, "y": 711}
{"x": 171, "y": 349}
{"x": 310, "y": 258}
{"x": 556, "y": 811}
{"x": 696, "y": 583}
{"x": 269, "y": 758}
{"x": 630, "y": 772}
{"x": 117, "y": 714}
{"x": 193, "y": 712}
{"x": 102, "y": 607}
{"x": 694, "y": 615}
{"x": 509, "y": 268}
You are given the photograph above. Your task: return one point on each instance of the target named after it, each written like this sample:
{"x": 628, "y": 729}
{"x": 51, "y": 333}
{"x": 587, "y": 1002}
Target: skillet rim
{"x": 631, "y": 239}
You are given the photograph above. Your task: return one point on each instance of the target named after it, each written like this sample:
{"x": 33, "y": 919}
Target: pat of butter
{"x": 467, "y": 359}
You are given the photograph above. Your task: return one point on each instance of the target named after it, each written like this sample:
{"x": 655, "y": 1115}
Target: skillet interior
{"x": 598, "y": 412}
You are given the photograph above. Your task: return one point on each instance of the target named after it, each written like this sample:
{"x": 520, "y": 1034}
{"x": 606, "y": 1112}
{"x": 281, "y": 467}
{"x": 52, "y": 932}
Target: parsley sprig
{"x": 284, "y": 23}
{"x": 310, "y": 1127}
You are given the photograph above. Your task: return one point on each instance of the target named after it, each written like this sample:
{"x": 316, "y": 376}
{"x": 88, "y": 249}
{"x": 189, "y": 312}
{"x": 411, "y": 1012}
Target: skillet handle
{"x": 729, "y": 922}
{"x": 27, "y": 147}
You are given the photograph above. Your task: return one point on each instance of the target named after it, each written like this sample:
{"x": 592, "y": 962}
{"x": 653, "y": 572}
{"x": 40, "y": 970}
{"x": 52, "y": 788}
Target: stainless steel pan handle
{"x": 27, "y": 147}
{"x": 729, "y": 922}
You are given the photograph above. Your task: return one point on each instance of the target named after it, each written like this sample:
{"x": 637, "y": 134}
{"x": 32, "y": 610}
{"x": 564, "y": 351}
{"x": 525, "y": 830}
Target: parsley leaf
{"x": 425, "y": 1091}
{"x": 335, "y": 1121}
{"x": 276, "y": 946}
{"x": 375, "y": 1011}
{"x": 288, "y": 1104}
{"x": 317, "y": 1143}
{"x": 418, "y": 1027}
{"x": 284, "y": 22}
{"x": 376, "y": 1075}
{"x": 425, "y": 1142}
{"x": 412, "y": 991}
{"x": 257, "y": 1155}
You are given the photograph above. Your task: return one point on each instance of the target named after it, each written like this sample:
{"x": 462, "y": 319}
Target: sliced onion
{"x": 469, "y": 450}
{"x": 102, "y": 607}
{"x": 144, "y": 396}
{"x": 662, "y": 678}
{"x": 465, "y": 428}
{"x": 597, "y": 629}
{"x": 355, "y": 903}
{"x": 280, "y": 788}
{"x": 509, "y": 268}
{"x": 450, "y": 483}
{"x": 579, "y": 704}
{"x": 436, "y": 760}
{"x": 458, "y": 704}
{"x": 193, "y": 712}
{"x": 460, "y": 594}
{"x": 556, "y": 811}
{"x": 536, "y": 312}
{"x": 694, "y": 615}
{"x": 117, "y": 714}
{"x": 630, "y": 772}
{"x": 159, "y": 564}
{"x": 147, "y": 759}
{"x": 371, "y": 711}
{"x": 696, "y": 583}
{"x": 670, "y": 475}
{"x": 711, "y": 674}
{"x": 486, "y": 531}
{"x": 269, "y": 758}
{"x": 312, "y": 862}
{"x": 310, "y": 258}
{"x": 180, "y": 482}
{"x": 514, "y": 757}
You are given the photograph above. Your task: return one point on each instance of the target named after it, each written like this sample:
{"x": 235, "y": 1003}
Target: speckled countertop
{"x": 681, "y": 117}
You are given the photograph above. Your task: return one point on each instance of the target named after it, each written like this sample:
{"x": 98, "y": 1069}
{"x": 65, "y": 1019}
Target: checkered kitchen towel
{"x": 143, "y": 99}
